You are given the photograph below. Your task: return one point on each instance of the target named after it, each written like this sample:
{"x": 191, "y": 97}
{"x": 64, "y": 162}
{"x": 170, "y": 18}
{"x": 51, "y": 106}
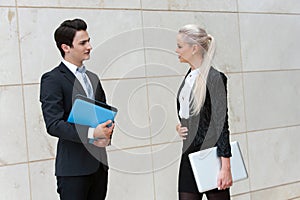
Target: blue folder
{"x": 89, "y": 112}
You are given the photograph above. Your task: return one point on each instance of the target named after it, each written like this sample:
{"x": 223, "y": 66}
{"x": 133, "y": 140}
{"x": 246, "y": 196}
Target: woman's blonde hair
{"x": 194, "y": 35}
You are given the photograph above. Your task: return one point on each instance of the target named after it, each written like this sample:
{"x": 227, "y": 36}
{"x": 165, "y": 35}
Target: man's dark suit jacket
{"x": 75, "y": 156}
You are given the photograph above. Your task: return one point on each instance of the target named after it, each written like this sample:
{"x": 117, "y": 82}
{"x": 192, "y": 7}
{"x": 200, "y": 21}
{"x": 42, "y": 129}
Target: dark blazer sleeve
{"x": 56, "y": 102}
{"x": 219, "y": 114}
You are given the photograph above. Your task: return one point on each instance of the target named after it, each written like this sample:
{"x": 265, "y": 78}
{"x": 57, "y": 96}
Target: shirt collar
{"x": 70, "y": 66}
{"x": 191, "y": 77}
{"x": 194, "y": 72}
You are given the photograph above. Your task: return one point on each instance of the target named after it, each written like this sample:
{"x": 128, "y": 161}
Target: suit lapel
{"x": 182, "y": 84}
{"x": 179, "y": 90}
{"x": 93, "y": 81}
{"x": 72, "y": 79}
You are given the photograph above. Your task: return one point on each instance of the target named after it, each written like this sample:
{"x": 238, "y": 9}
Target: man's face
{"x": 81, "y": 48}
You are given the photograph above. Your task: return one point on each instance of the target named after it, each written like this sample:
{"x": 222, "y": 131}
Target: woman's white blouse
{"x": 185, "y": 93}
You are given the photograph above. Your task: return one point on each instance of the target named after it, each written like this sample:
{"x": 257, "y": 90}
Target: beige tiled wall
{"x": 274, "y": 6}
{"x": 10, "y": 59}
{"x": 269, "y": 41}
{"x": 134, "y": 55}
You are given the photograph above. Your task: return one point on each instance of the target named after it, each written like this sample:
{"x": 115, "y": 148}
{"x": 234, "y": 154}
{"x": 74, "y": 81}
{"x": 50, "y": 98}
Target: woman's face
{"x": 183, "y": 50}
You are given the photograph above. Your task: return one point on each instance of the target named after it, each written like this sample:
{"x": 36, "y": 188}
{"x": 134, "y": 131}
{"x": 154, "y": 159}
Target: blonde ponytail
{"x": 196, "y": 35}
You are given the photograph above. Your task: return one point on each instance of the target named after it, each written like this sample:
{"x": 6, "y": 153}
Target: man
{"x": 81, "y": 168}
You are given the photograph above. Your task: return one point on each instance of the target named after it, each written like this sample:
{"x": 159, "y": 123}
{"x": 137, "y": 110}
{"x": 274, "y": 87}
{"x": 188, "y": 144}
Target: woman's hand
{"x": 182, "y": 131}
{"x": 225, "y": 177}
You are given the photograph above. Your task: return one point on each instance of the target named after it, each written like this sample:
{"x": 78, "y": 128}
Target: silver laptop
{"x": 206, "y": 166}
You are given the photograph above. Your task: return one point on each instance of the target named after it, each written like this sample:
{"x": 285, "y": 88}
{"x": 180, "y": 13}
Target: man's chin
{"x": 87, "y": 57}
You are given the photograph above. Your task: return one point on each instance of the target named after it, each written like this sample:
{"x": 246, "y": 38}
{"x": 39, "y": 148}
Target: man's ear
{"x": 65, "y": 48}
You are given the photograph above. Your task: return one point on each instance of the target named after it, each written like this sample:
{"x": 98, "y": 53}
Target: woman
{"x": 202, "y": 110}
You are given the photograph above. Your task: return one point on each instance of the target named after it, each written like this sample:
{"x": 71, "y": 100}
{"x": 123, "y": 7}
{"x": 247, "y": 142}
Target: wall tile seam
{"x": 295, "y": 198}
{"x": 159, "y": 76}
{"x": 183, "y": 74}
{"x": 274, "y": 187}
{"x": 7, "y": 7}
{"x": 41, "y": 160}
{"x": 262, "y": 71}
{"x": 23, "y": 99}
{"x": 237, "y": 133}
{"x": 143, "y": 146}
{"x": 101, "y": 79}
{"x": 13, "y": 164}
{"x": 148, "y": 102}
{"x": 243, "y": 89}
{"x": 189, "y": 10}
{"x": 140, "y": 78}
{"x": 23, "y": 163}
{"x": 122, "y": 9}
{"x": 242, "y": 67}
{"x": 273, "y": 128}
{"x": 163, "y": 76}
{"x": 224, "y": 12}
{"x": 240, "y": 194}
{"x": 268, "y": 13}
{"x": 19, "y": 84}
{"x": 271, "y": 70}
{"x": 74, "y": 8}
{"x": 155, "y": 10}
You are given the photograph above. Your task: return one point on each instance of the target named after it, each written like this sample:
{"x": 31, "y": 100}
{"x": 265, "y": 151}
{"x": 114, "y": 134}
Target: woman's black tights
{"x": 211, "y": 195}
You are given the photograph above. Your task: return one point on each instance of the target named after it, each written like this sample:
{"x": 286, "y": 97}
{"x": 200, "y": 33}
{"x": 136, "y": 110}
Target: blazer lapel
{"x": 179, "y": 90}
{"x": 93, "y": 80}
{"x": 72, "y": 79}
{"x": 182, "y": 84}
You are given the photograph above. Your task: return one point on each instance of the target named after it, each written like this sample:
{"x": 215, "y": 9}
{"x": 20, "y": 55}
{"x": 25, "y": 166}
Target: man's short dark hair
{"x": 65, "y": 33}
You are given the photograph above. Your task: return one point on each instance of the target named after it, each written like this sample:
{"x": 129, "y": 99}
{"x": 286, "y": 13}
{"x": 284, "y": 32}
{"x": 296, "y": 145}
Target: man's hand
{"x": 101, "y": 142}
{"x": 103, "y": 133}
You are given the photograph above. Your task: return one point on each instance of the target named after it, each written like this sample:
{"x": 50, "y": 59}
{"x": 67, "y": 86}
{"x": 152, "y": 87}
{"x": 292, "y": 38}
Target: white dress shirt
{"x": 185, "y": 93}
{"x": 73, "y": 69}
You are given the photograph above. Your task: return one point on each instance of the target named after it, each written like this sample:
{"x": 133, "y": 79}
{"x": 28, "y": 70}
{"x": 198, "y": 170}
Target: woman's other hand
{"x": 182, "y": 131}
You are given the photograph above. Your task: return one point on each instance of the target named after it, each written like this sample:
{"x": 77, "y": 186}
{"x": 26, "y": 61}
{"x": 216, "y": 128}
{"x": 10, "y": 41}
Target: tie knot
{"x": 81, "y": 69}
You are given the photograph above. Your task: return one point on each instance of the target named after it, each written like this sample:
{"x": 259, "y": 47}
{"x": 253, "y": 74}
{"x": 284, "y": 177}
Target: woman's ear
{"x": 195, "y": 49}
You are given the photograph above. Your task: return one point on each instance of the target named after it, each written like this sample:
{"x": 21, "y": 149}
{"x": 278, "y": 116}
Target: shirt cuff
{"x": 91, "y": 133}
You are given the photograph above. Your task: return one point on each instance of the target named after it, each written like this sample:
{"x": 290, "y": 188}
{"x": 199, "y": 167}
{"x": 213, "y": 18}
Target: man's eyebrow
{"x": 84, "y": 41}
